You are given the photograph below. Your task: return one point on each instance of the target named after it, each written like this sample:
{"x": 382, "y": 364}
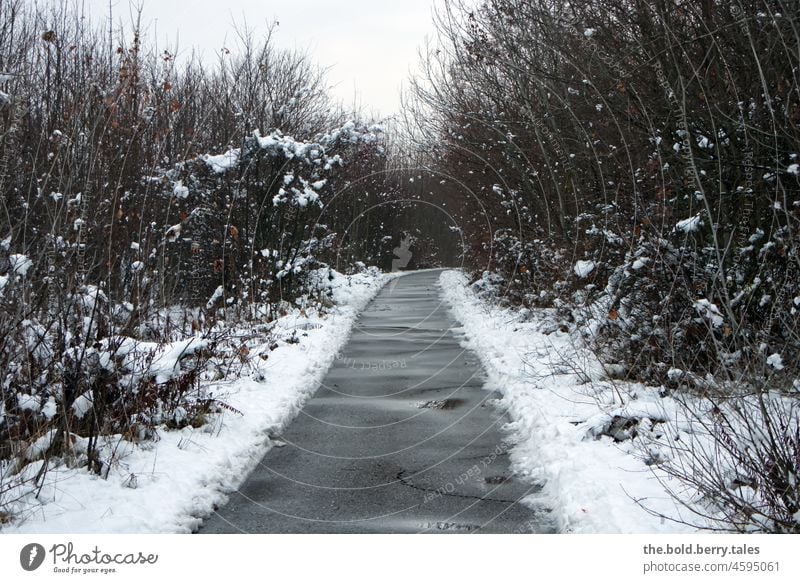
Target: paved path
{"x": 400, "y": 437}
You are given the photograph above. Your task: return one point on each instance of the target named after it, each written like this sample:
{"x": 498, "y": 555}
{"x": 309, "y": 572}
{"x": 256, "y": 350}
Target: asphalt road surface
{"x": 400, "y": 437}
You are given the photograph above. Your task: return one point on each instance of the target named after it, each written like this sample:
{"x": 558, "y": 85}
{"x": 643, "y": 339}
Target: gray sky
{"x": 370, "y": 45}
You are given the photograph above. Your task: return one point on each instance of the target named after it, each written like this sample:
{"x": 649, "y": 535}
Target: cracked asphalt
{"x": 400, "y": 438}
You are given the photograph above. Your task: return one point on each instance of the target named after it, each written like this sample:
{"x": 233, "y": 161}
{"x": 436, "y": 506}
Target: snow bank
{"x": 591, "y": 483}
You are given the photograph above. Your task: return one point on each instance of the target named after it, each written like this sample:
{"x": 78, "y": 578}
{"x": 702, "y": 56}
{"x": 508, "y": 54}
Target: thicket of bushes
{"x": 149, "y": 206}
{"x": 637, "y": 165}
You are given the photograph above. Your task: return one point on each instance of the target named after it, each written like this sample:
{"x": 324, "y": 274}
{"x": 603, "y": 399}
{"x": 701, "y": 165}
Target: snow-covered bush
{"x": 741, "y": 461}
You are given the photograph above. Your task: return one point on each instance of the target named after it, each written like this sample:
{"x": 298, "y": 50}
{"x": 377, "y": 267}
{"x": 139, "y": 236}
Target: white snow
{"x": 709, "y": 311}
{"x": 583, "y": 268}
{"x": 215, "y": 297}
{"x": 775, "y": 361}
{"x": 28, "y": 402}
{"x": 181, "y": 191}
{"x": 82, "y": 405}
{"x": 303, "y": 198}
{"x": 174, "y": 232}
{"x": 590, "y": 483}
{"x": 312, "y": 153}
{"x": 690, "y": 225}
{"x": 165, "y": 364}
{"x": 704, "y": 143}
{"x": 675, "y": 374}
{"x": 221, "y": 163}
{"x": 20, "y": 264}
{"x": 40, "y": 446}
{"x": 50, "y": 408}
{"x": 610, "y": 236}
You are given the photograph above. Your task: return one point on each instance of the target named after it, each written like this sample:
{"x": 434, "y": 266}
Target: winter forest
{"x": 611, "y": 188}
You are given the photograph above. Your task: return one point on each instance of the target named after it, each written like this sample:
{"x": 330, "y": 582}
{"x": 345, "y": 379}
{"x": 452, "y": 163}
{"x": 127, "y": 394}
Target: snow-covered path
{"x": 406, "y": 433}
{"x": 400, "y": 437}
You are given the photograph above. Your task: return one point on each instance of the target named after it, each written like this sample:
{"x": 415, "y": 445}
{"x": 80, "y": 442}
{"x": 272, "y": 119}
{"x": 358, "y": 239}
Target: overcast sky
{"x": 370, "y": 45}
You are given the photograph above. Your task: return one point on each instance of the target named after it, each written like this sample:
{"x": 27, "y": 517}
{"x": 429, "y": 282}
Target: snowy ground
{"x": 561, "y": 403}
{"x": 168, "y": 484}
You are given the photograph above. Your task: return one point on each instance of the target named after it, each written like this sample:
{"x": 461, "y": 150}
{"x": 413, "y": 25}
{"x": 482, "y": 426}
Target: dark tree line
{"x": 612, "y": 132}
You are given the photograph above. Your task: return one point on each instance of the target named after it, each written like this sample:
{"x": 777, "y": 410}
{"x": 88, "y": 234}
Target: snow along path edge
{"x": 589, "y": 484}
{"x": 170, "y": 484}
